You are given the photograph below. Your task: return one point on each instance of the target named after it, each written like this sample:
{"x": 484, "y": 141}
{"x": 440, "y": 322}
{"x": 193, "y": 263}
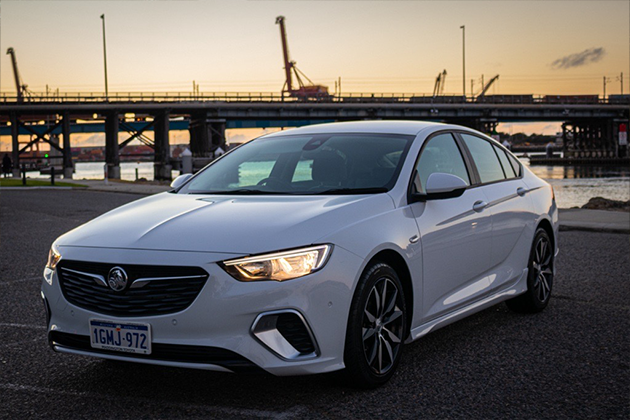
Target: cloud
{"x": 591, "y": 55}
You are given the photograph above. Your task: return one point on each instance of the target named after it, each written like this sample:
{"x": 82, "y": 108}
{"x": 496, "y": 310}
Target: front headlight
{"x": 279, "y": 266}
{"x": 53, "y": 259}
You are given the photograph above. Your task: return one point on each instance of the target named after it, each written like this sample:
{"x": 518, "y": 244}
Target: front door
{"x": 456, "y": 233}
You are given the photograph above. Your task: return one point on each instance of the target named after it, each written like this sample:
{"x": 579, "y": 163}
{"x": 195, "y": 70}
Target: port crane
{"x": 440, "y": 81}
{"x": 486, "y": 87}
{"x": 19, "y": 86}
{"x": 303, "y": 91}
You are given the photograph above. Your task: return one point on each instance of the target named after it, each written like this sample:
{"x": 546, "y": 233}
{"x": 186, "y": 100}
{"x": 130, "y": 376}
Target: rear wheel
{"x": 539, "y": 278}
{"x": 376, "y": 328}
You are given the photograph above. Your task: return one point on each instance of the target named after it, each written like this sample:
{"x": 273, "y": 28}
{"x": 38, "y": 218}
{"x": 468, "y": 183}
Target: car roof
{"x": 385, "y": 127}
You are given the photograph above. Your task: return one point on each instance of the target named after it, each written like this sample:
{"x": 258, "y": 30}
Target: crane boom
{"x": 285, "y": 51}
{"x": 18, "y": 85}
{"x": 303, "y": 91}
{"x": 490, "y": 82}
{"x": 440, "y": 80}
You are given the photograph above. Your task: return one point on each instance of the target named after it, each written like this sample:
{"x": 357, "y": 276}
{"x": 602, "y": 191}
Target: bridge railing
{"x": 275, "y": 97}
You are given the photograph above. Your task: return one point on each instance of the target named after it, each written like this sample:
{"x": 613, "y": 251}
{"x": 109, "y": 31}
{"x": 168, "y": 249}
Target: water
{"x": 573, "y": 186}
{"x": 96, "y": 170}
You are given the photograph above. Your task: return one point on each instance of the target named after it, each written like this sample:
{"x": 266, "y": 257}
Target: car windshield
{"x": 306, "y": 165}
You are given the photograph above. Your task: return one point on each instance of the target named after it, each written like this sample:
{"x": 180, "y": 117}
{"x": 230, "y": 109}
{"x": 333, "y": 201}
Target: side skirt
{"x": 515, "y": 289}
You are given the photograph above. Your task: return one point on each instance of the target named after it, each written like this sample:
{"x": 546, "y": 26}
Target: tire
{"x": 539, "y": 277}
{"x": 376, "y": 331}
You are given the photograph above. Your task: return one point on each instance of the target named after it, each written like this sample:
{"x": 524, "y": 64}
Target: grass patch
{"x": 12, "y": 182}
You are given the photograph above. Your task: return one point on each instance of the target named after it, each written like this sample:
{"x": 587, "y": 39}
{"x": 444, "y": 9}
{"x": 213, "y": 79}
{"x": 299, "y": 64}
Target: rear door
{"x": 500, "y": 177}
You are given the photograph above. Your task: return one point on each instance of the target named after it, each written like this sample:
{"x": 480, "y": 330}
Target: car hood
{"x": 226, "y": 224}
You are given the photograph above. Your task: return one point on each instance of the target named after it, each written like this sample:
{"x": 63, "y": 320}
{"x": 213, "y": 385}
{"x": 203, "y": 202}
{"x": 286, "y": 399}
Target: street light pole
{"x": 105, "y": 57}
{"x": 463, "y": 28}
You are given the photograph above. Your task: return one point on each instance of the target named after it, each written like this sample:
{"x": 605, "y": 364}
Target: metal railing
{"x": 274, "y": 97}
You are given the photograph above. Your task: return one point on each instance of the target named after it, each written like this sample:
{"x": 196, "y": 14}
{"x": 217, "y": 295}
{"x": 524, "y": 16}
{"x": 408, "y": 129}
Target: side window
{"x": 485, "y": 159}
{"x": 441, "y": 154}
{"x": 507, "y": 167}
{"x": 515, "y": 164}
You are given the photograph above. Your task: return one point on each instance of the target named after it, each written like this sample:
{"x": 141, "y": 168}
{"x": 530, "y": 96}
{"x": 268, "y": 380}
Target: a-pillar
{"x": 112, "y": 158}
{"x": 200, "y": 137}
{"x": 67, "y": 148}
{"x": 161, "y": 166}
{"x": 15, "y": 144}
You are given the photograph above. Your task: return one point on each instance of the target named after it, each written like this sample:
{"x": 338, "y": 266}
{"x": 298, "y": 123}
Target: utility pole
{"x": 105, "y": 57}
{"x": 606, "y": 80}
{"x": 620, "y": 78}
{"x": 463, "y": 28}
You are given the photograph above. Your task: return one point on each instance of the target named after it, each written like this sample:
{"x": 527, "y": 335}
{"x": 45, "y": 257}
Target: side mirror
{"x": 180, "y": 180}
{"x": 440, "y": 186}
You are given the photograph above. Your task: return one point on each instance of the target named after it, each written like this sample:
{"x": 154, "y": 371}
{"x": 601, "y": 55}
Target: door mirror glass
{"x": 180, "y": 180}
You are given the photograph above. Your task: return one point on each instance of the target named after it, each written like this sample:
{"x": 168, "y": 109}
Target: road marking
{"x": 293, "y": 412}
{"x": 38, "y": 327}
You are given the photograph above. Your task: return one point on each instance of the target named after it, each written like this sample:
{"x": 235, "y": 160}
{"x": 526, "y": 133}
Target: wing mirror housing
{"x": 180, "y": 180}
{"x": 441, "y": 186}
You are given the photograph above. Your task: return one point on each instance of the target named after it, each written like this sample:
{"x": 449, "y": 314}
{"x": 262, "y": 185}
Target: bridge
{"x": 591, "y": 125}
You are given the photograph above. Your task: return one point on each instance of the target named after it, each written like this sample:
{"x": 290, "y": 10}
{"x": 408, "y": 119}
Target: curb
{"x": 603, "y": 229}
{"x": 123, "y": 191}
{"x": 40, "y": 188}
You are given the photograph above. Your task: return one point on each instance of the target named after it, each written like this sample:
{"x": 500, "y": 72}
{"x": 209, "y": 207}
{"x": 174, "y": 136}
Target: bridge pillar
{"x": 15, "y": 144}
{"x": 112, "y": 158}
{"x": 67, "y": 148}
{"x": 161, "y": 166}
{"x": 207, "y": 136}
{"x": 217, "y": 128}
{"x": 200, "y": 137}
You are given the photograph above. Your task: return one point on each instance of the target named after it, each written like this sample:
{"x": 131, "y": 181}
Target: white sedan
{"x": 311, "y": 250}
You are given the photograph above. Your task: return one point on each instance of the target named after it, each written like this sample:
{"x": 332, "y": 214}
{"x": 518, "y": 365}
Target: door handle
{"x": 479, "y": 206}
{"x": 521, "y": 191}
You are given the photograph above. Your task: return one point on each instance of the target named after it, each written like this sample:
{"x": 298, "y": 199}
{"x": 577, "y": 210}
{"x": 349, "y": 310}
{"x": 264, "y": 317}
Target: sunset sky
{"x": 537, "y": 47}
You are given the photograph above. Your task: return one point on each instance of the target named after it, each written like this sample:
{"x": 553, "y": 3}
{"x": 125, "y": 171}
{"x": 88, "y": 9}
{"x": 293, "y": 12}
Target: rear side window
{"x": 441, "y": 154}
{"x": 507, "y": 166}
{"x": 515, "y": 164}
{"x": 486, "y": 160}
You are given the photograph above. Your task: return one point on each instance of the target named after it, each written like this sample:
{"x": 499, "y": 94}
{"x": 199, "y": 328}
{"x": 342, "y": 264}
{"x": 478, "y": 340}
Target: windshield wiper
{"x": 342, "y": 191}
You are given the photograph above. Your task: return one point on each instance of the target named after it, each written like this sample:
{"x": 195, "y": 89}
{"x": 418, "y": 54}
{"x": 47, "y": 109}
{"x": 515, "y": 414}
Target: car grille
{"x": 163, "y": 289}
{"x": 166, "y": 352}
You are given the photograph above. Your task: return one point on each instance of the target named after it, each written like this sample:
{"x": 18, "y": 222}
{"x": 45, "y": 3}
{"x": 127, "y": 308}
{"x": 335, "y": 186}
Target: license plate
{"x": 124, "y": 337}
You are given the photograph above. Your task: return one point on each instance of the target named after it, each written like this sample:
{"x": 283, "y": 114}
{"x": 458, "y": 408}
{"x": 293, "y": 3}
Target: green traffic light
{"x": 46, "y": 155}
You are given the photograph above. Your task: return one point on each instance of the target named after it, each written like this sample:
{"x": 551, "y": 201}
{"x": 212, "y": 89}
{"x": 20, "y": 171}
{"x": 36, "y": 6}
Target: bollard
{"x": 23, "y": 174}
{"x": 105, "y": 169}
{"x": 52, "y": 175}
{"x": 136, "y": 174}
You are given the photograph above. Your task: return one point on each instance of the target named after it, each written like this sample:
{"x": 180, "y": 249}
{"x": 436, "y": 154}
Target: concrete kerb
{"x": 595, "y": 220}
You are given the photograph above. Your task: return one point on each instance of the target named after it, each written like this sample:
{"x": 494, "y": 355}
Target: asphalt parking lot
{"x": 570, "y": 361}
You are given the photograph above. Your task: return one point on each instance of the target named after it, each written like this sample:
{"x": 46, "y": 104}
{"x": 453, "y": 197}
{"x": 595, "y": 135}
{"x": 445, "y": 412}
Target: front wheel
{"x": 539, "y": 278}
{"x": 376, "y": 327}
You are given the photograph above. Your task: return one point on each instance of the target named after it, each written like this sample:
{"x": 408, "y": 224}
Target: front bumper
{"x": 217, "y": 326}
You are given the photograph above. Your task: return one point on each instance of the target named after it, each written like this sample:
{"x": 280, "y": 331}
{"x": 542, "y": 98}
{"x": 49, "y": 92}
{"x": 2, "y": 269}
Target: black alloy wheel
{"x": 539, "y": 278}
{"x": 376, "y": 327}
